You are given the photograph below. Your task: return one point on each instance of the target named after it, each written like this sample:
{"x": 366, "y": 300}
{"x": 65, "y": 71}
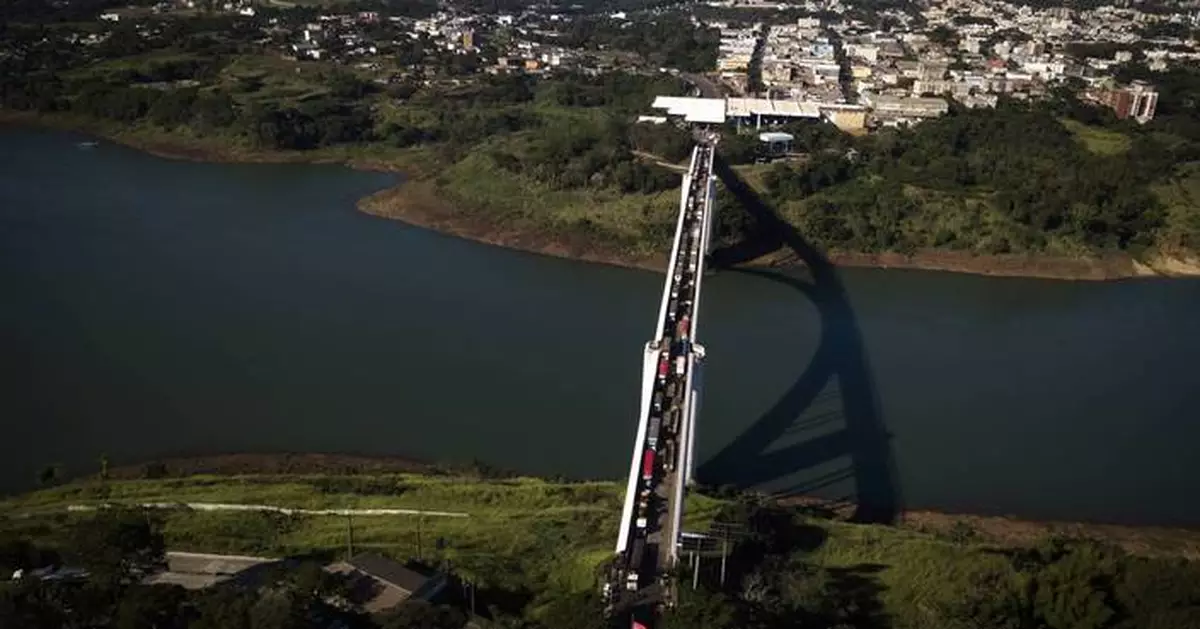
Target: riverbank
{"x": 247, "y": 478}
{"x": 420, "y": 200}
{"x": 553, "y": 539}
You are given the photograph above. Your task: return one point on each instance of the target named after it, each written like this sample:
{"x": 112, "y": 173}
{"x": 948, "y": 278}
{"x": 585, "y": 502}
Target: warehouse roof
{"x": 710, "y": 110}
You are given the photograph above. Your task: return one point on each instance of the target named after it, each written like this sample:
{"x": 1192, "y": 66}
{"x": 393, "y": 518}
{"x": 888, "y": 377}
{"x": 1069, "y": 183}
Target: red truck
{"x": 648, "y": 464}
{"x": 663, "y": 366}
{"x": 683, "y": 327}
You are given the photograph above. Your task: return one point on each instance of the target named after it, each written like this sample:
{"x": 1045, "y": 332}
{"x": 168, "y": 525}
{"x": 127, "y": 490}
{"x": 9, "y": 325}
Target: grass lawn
{"x": 1097, "y": 140}
{"x": 519, "y": 531}
{"x": 549, "y": 537}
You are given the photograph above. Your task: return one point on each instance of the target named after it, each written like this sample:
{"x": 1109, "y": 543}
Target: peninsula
{"x": 521, "y": 127}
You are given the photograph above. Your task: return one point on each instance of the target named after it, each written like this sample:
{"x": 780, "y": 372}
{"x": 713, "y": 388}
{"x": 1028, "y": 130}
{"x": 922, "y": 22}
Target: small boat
{"x": 87, "y": 145}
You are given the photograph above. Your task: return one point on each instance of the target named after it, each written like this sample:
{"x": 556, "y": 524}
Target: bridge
{"x": 662, "y": 464}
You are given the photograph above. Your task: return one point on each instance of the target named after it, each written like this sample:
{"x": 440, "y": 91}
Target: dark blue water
{"x": 153, "y": 307}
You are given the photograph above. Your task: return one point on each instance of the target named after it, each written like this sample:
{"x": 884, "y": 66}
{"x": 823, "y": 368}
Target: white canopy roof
{"x": 708, "y": 110}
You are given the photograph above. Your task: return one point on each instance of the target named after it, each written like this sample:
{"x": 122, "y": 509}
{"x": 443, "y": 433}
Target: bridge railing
{"x": 649, "y": 363}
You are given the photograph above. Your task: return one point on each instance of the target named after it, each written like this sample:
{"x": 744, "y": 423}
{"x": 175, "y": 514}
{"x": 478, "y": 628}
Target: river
{"x": 155, "y": 307}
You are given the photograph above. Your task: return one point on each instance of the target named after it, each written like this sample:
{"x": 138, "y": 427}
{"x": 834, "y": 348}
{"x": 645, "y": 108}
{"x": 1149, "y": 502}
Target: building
{"x": 194, "y": 571}
{"x": 848, "y": 118}
{"x": 892, "y": 110}
{"x": 775, "y": 143}
{"x": 384, "y": 583}
{"x": 1138, "y": 101}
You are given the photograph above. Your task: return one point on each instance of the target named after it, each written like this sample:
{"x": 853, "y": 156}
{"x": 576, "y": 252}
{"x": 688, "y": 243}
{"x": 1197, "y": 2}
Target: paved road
{"x": 219, "y": 506}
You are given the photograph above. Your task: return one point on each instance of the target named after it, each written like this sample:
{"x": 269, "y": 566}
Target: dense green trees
{"x": 577, "y": 154}
{"x": 1010, "y": 179}
{"x": 777, "y": 578}
{"x": 669, "y": 40}
{"x": 664, "y": 140}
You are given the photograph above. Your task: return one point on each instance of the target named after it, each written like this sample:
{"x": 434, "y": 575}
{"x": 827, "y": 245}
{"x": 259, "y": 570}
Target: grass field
{"x": 516, "y": 528}
{"x": 1097, "y": 140}
{"x": 547, "y": 537}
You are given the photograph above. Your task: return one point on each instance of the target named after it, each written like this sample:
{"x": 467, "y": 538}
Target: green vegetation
{"x": 558, "y": 159}
{"x": 1059, "y": 177}
{"x": 515, "y": 529}
{"x": 1098, "y": 140}
{"x": 535, "y": 549}
{"x": 668, "y": 40}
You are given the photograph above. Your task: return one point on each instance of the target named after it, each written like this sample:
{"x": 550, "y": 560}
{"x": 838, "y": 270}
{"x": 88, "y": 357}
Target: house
{"x": 387, "y": 582}
{"x": 194, "y": 571}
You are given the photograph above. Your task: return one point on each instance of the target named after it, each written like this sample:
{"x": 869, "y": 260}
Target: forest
{"x": 1014, "y": 179}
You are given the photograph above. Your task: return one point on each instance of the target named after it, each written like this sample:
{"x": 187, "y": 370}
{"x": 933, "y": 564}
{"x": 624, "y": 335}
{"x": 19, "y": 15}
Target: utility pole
{"x": 696, "y": 573}
{"x": 724, "y": 540}
{"x": 419, "y": 518}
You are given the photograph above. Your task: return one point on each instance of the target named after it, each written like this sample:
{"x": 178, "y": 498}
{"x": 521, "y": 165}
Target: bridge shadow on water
{"x": 838, "y": 369}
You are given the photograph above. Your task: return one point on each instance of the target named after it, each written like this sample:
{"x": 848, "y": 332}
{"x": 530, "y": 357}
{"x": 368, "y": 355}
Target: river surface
{"x": 153, "y": 307}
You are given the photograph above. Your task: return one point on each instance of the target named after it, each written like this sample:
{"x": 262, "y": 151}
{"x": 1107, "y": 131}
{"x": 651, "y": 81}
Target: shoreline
{"x": 1004, "y": 530}
{"x": 416, "y": 201}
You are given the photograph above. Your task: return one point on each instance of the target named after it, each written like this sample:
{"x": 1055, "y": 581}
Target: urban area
{"x": 858, "y": 69}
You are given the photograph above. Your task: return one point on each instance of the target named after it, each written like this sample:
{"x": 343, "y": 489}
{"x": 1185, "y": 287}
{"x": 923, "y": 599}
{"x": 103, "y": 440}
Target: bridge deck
{"x": 661, "y": 464}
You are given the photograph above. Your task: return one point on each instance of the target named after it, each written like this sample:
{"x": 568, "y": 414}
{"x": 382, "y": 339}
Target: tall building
{"x": 1138, "y": 101}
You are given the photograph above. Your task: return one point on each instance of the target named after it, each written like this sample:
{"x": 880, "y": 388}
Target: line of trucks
{"x": 673, "y": 361}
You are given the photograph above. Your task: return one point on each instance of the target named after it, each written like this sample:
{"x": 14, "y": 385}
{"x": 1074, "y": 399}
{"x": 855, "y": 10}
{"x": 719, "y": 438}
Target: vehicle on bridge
{"x": 647, "y": 544}
{"x": 635, "y": 563}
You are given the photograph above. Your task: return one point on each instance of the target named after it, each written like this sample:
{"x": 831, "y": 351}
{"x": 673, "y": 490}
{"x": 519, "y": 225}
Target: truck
{"x": 635, "y": 564}
{"x": 648, "y": 464}
{"x": 680, "y": 365}
{"x": 684, "y": 323}
{"x": 663, "y": 366}
{"x": 652, "y": 431}
{"x": 658, "y": 400}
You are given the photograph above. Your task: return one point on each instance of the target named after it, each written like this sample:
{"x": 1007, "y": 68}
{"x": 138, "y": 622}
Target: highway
{"x": 661, "y": 464}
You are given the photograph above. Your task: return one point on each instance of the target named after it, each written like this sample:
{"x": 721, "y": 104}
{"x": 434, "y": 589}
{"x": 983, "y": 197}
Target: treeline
{"x": 574, "y": 130}
{"x": 773, "y": 580}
